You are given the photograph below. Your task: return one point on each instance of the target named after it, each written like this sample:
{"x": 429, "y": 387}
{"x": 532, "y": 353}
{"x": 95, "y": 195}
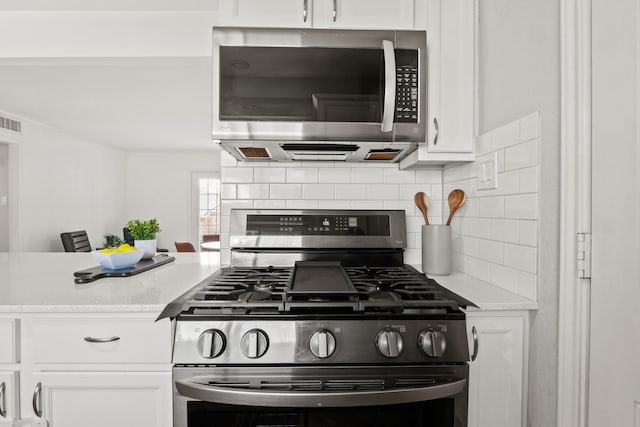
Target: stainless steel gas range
{"x": 318, "y": 322}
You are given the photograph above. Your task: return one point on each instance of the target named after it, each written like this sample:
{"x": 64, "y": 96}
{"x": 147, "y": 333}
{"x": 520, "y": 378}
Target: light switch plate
{"x": 488, "y": 173}
{"x": 3, "y": 201}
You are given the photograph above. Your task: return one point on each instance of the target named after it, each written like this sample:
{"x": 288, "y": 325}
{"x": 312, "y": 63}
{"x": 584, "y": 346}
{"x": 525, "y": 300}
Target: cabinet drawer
{"x": 102, "y": 340}
{"x": 9, "y": 341}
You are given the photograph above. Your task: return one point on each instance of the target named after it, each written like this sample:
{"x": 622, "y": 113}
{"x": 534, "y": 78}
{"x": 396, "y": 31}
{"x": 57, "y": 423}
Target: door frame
{"x": 575, "y": 211}
{"x": 13, "y": 140}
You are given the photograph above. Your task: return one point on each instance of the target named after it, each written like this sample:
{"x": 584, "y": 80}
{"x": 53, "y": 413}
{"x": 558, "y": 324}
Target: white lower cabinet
{"x": 96, "y": 369}
{"x": 498, "y": 375}
{"x": 104, "y": 399}
{"x": 8, "y": 398}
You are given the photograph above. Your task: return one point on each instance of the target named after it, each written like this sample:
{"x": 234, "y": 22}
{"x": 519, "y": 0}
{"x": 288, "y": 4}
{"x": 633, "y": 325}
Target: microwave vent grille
{"x": 254, "y": 152}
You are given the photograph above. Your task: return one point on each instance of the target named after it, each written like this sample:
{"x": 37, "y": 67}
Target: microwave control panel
{"x": 406, "y": 86}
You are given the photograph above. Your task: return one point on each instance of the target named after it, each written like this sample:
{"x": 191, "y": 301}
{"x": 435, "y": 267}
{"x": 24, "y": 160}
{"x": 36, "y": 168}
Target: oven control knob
{"x": 254, "y": 343}
{"x": 389, "y": 343}
{"x": 432, "y": 343}
{"x": 322, "y": 344}
{"x": 211, "y": 343}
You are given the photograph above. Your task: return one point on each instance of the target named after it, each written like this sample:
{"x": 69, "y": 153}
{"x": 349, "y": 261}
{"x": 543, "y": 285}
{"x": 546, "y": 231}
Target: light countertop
{"x": 485, "y": 295}
{"x": 44, "y": 282}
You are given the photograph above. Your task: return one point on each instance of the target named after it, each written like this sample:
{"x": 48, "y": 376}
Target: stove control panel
{"x": 313, "y": 225}
{"x": 320, "y": 341}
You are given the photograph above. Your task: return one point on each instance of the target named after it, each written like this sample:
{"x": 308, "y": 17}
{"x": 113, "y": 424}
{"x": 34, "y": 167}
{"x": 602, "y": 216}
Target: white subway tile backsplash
{"x": 521, "y": 206}
{"x": 227, "y": 159}
{"x": 334, "y": 204}
{"x": 318, "y": 191}
{"x": 491, "y": 207}
{"x": 529, "y": 126}
{"x": 285, "y": 191}
{"x": 408, "y": 191}
{"x": 302, "y": 204}
{"x": 230, "y": 175}
{"x": 227, "y": 205}
{"x": 228, "y": 191}
{"x": 367, "y": 204}
{"x": 522, "y": 258}
{"x": 491, "y": 251}
{"x": 505, "y": 136}
{"x": 529, "y": 180}
{"x": 351, "y": 192}
{"x": 522, "y": 155}
{"x": 383, "y": 191}
{"x": 269, "y": 175}
{"x": 504, "y": 277}
{"x": 429, "y": 176}
{"x": 495, "y": 232}
{"x": 334, "y": 175}
{"x": 367, "y": 175}
{"x": 528, "y": 233}
{"x": 253, "y": 191}
{"x": 269, "y": 204}
{"x": 396, "y": 176}
{"x": 302, "y": 175}
{"x": 505, "y": 230}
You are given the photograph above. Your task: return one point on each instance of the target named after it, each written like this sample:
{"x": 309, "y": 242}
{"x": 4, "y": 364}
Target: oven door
{"x": 411, "y": 396}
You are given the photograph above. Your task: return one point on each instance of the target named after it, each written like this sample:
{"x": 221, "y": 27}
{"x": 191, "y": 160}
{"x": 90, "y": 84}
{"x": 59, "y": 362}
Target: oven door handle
{"x": 303, "y": 399}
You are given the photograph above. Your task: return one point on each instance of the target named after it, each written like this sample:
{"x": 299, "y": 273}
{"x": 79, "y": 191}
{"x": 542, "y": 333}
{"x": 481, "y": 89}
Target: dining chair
{"x": 75, "y": 241}
{"x": 184, "y": 247}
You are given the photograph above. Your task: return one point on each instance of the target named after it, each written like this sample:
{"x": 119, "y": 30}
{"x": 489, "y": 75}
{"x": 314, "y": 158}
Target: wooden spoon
{"x": 456, "y": 199}
{"x": 422, "y": 202}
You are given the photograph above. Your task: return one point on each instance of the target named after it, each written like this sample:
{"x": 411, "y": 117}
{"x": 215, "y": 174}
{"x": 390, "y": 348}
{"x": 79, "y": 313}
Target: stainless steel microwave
{"x": 319, "y": 94}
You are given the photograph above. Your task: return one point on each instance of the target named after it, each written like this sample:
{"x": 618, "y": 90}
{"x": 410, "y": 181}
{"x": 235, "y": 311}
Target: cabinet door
{"x": 261, "y": 13}
{"x": 8, "y": 397}
{"x": 363, "y": 14}
{"x": 105, "y": 399}
{"x": 497, "y": 375}
{"x": 451, "y": 84}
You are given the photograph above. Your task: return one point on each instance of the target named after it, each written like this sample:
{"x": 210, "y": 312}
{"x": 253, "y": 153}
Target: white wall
{"x": 66, "y": 184}
{"x": 159, "y": 186}
{"x": 495, "y": 233}
{"x": 329, "y": 185}
{"x": 4, "y": 191}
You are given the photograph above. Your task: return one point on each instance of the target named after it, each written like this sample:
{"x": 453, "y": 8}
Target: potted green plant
{"x": 144, "y": 235}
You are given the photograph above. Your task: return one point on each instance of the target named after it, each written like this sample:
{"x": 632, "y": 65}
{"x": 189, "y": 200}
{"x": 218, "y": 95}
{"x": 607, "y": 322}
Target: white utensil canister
{"x": 436, "y": 250}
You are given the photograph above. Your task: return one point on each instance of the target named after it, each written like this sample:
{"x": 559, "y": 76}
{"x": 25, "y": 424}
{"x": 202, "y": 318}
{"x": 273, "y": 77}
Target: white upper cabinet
{"x": 261, "y": 13}
{"x": 451, "y": 75}
{"x": 358, "y": 14}
{"x": 363, "y": 14}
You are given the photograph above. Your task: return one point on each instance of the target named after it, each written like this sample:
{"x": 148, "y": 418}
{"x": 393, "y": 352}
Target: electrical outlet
{"x": 488, "y": 173}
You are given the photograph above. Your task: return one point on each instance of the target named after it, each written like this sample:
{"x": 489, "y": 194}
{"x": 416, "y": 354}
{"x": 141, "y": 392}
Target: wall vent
{"x": 12, "y": 125}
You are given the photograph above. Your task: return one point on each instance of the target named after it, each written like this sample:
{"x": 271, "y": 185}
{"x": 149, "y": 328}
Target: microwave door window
{"x": 301, "y": 84}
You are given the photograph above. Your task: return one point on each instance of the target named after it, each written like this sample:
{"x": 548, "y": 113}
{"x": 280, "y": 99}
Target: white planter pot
{"x": 149, "y": 247}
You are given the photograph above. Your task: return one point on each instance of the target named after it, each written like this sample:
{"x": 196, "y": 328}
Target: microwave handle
{"x": 389, "y": 86}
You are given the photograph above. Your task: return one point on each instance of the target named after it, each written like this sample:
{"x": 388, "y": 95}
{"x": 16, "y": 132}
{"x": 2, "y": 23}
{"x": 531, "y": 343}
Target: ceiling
{"x": 133, "y": 103}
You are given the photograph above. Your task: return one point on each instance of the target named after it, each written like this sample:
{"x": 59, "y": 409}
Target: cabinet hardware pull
{"x": 335, "y": 10}
{"x": 37, "y": 400}
{"x": 3, "y": 407}
{"x": 304, "y": 10}
{"x": 474, "y": 332}
{"x": 435, "y": 137}
{"x": 101, "y": 340}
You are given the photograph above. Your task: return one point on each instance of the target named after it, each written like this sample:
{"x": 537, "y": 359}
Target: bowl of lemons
{"x": 123, "y": 256}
